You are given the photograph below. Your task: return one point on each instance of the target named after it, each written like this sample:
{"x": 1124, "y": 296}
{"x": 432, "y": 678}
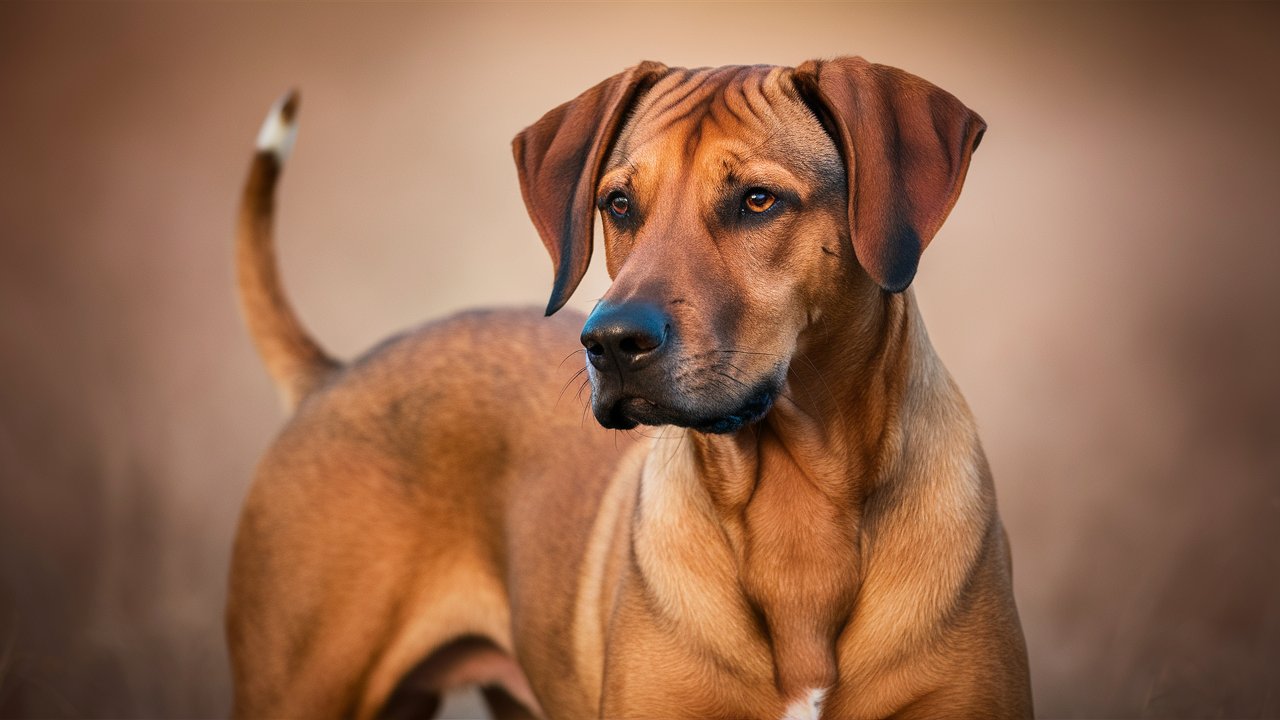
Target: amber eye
{"x": 758, "y": 200}
{"x": 619, "y": 205}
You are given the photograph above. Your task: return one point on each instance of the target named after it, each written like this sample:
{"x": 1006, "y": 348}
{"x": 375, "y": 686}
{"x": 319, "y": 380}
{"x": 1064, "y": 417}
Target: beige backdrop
{"x": 1106, "y": 292}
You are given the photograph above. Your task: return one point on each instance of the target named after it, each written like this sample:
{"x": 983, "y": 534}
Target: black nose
{"x": 629, "y": 334}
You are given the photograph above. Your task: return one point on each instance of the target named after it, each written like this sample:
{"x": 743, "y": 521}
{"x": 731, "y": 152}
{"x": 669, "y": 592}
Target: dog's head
{"x": 739, "y": 206}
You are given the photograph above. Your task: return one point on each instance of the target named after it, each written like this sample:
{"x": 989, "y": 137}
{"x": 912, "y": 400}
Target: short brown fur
{"x": 437, "y": 513}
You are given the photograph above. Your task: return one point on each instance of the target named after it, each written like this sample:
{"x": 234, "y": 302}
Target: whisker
{"x": 568, "y": 383}
{"x": 741, "y": 352}
{"x": 780, "y": 392}
{"x": 636, "y": 430}
{"x": 566, "y": 357}
{"x": 672, "y": 455}
{"x": 727, "y": 375}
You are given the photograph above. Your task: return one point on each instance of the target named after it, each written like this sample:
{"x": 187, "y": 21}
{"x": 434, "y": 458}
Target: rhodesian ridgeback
{"x": 809, "y": 527}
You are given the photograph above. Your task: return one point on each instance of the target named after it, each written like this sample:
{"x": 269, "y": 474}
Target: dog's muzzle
{"x": 632, "y": 348}
{"x": 625, "y": 345}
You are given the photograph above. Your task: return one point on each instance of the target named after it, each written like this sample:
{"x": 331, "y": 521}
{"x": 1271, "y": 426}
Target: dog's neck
{"x": 788, "y": 494}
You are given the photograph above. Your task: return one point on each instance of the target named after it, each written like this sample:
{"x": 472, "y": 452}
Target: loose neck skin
{"x": 788, "y": 493}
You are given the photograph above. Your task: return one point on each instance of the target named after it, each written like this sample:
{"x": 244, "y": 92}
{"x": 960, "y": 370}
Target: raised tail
{"x": 295, "y": 361}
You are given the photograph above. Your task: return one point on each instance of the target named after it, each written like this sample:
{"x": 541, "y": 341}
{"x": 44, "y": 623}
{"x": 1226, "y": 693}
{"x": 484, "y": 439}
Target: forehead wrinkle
{"x": 661, "y": 92}
{"x": 709, "y": 116}
{"x": 672, "y": 94}
{"x": 697, "y": 113}
{"x": 650, "y": 114}
{"x": 754, "y": 98}
{"x": 710, "y": 81}
{"x": 734, "y": 92}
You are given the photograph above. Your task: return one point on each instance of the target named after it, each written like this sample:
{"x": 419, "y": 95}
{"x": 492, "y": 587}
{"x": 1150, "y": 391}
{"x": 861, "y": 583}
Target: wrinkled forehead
{"x": 727, "y": 116}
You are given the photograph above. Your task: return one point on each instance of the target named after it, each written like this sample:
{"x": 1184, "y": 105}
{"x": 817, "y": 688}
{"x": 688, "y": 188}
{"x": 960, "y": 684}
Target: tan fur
{"x": 440, "y": 512}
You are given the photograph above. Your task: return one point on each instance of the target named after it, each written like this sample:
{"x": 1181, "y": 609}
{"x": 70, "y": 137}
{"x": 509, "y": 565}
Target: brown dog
{"x": 811, "y": 531}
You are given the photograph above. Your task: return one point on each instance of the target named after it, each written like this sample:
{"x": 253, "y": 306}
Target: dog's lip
{"x": 615, "y": 416}
{"x": 638, "y": 410}
{"x": 629, "y": 411}
{"x": 756, "y": 407}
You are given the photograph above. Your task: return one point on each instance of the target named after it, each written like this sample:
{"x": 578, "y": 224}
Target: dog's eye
{"x": 757, "y": 200}
{"x": 619, "y": 205}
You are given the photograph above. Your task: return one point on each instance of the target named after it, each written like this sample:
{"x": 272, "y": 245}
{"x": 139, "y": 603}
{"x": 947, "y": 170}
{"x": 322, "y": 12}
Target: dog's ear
{"x": 906, "y": 146}
{"x": 558, "y": 159}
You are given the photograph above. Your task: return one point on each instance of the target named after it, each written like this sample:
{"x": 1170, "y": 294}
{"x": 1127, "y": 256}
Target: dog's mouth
{"x": 755, "y": 408}
{"x": 628, "y": 412}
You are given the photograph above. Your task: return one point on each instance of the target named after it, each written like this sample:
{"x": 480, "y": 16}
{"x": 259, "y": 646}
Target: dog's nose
{"x": 630, "y": 334}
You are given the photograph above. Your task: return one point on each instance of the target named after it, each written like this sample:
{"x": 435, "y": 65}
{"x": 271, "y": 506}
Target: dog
{"x": 806, "y": 527}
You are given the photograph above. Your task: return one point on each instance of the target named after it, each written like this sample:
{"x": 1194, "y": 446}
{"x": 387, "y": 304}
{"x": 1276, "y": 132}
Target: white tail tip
{"x": 280, "y": 129}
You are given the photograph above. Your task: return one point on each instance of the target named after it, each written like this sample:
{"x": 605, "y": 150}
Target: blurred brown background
{"x": 1107, "y": 293}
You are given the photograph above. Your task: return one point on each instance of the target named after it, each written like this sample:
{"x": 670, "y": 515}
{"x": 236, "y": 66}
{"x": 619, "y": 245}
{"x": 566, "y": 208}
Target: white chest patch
{"x": 808, "y": 707}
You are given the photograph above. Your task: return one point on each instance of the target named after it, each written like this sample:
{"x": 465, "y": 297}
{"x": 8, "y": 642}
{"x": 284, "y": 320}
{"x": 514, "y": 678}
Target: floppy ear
{"x": 558, "y": 159}
{"x": 906, "y": 145}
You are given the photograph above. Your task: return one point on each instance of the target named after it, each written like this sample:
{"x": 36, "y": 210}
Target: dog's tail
{"x": 295, "y": 361}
